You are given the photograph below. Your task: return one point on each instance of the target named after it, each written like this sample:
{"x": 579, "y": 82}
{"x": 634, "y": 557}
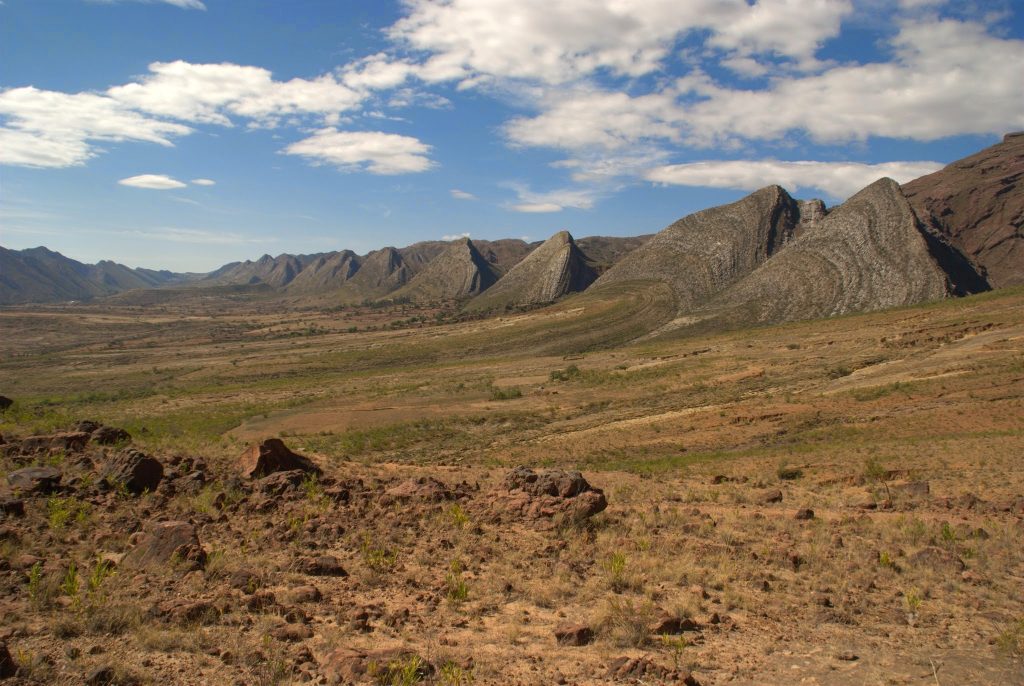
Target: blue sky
{"x": 184, "y": 134}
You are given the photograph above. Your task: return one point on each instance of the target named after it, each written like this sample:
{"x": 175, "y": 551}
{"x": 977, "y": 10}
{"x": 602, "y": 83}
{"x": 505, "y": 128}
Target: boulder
{"x": 5, "y": 403}
{"x": 87, "y": 426}
{"x": 109, "y": 435}
{"x": 281, "y": 483}
{"x": 323, "y": 565}
{"x": 547, "y": 494}
{"x": 574, "y": 635}
{"x": 165, "y": 543}
{"x": 421, "y": 488}
{"x": 937, "y": 559}
{"x": 186, "y": 611}
{"x": 667, "y": 624}
{"x": 805, "y": 513}
{"x": 12, "y": 507}
{"x": 270, "y": 456}
{"x": 768, "y": 497}
{"x": 136, "y": 471}
{"x": 7, "y": 666}
{"x": 35, "y": 480}
{"x": 69, "y": 442}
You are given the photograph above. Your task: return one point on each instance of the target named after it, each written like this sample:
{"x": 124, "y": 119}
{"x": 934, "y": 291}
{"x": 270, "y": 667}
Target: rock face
{"x": 326, "y": 272}
{"x": 558, "y": 267}
{"x": 459, "y": 272}
{"x": 163, "y": 543}
{"x": 270, "y": 456}
{"x": 136, "y": 471}
{"x": 549, "y": 494}
{"x": 977, "y": 206}
{"x": 868, "y": 254}
{"x": 704, "y": 253}
{"x": 35, "y": 480}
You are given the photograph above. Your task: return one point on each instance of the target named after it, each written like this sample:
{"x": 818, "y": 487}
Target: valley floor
{"x": 829, "y": 502}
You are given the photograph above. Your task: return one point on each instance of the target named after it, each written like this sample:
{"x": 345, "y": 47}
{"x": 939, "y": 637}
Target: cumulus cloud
{"x": 462, "y": 195}
{"x": 156, "y": 182}
{"x": 837, "y": 179}
{"x": 203, "y": 182}
{"x": 372, "y": 151}
{"x": 550, "y": 201}
{"x": 455, "y": 236}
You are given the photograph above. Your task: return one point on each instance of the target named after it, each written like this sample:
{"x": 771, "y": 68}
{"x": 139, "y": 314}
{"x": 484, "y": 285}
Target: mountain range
{"x": 765, "y": 258}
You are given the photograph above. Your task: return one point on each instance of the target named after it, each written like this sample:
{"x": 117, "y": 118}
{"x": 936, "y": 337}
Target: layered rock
{"x": 976, "y": 205}
{"x": 326, "y": 272}
{"x": 705, "y": 252}
{"x": 867, "y": 254}
{"x": 558, "y": 267}
{"x": 459, "y": 272}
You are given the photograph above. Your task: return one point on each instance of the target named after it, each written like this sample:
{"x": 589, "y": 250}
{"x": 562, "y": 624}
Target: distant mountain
{"x": 556, "y": 268}
{"x": 977, "y": 206}
{"x": 41, "y": 275}
{"x": 457, "y": 273}
{"x": 703, "y": 253}
{"x": 273, "y": 271}
{"x": 326, "y": 272}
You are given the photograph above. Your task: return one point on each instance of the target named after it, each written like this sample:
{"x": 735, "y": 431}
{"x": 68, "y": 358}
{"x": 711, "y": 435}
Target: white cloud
{"x": 455, "y": 236}
{"x": 461, "y": 195}
{"x": 838, "y": 179}
{"x": 196, "y": 236}
{"x": 203, "y": 182}
{"x": 156, "y": 182}
{"x": 559, "y": 42}
{"x": 551, "y": 201}
{"x": 53, "y": 129}
{"x": 536, "y": 207}
{"x": 209, "y": 93}
{"x": 372, "y": 151}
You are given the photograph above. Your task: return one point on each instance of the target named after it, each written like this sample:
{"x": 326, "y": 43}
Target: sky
{"x": 185, "y": 134}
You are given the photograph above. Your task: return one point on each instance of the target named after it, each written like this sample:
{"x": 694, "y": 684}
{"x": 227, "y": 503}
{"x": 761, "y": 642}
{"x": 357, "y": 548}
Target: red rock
{"x": 35, "y": 480}
{"x": 270, "y": 456}
{"x": 574, "y": 635}
{"x": 136, "y": 471}
{"x": 164, "y": 543}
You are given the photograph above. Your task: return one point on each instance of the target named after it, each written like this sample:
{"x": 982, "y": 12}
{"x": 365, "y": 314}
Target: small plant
{"x": 885, "y": 560}
{"x": 71, "y": 585}
{"x": 948, "y": 534}
{"x": 404, "y": 671}
{"x": 314, "y": 493}
{"x": 35, "y": 584}
{"x": 1011, "y": 639}
{"x": 61, "y": 511}
{"x": 874, "y": 471}
{"x": 567, "y": 374}
{"x": 454, "y": 675}
{"x": 457, "y": 590}
{"x": 101, "y": 571}
{"x": 676, "y": 644}
{"x": 505, "y": 393}
{"x": 912, "y": 602}
{"x": 615, "y": 565}
{"x": 377, "y": 558}
{"x": 626, "y": 623}
{"x": 457, "y": 516}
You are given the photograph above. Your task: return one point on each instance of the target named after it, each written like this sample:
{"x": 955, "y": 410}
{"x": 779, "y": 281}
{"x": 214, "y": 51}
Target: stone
{"x": 574, "y": 635}
{"x": 421, "y": 488}
{"x": 324, "y": 565}
{"x": 164, "y": 543}
{"x": 7, "y": 666}
{"x": 805, "y": 513}
{"x": 553, "y": 482}
{"x": 12, "y": 507}
{"x": 186, "y": 611}
{"x": 667, "y": 624}
{"x": 270, "y": 456}
{"x": 5, "y": 403}
{"x": 31, "y": 480}
{"x": 304, "y": 594}
{"x": 292, "y": 633}
{"x": 911, "y": 489}
{"x": 69, "y": 442}
{"x": 110, "y": 435}
{"x": 547, "y": 494}
{"x": 350, "y": 666}
{"x": 281, "y": 483}
{"x": 101, "y": 676}
{"x": 245, "y": 581}
{"x": 768, "y": 497}
{"x": 938, "y": 559}
{"x": 136, "y": 471}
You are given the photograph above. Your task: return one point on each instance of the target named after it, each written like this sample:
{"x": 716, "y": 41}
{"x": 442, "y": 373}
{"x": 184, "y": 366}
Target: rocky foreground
{"x": 118, "y": 567}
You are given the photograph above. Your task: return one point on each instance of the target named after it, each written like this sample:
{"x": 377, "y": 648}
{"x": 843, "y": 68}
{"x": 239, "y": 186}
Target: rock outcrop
{"x": 705, "y": 252}
{"x": 458, "y": 273}
{"x": 867, "y": 254}
{"x": 270, "y": 456}
{"x": 326, "y": 272}
{"x": 558, "y": 267}
{"x": 976, "y": 205}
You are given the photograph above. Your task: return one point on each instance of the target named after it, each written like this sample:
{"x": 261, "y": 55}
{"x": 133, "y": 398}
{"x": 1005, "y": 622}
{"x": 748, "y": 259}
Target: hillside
{"x": 555, "y": 269}
{"x": 459, "y": 272}
{"x": 704, "y": 252}
{"x": 977, "y": 205}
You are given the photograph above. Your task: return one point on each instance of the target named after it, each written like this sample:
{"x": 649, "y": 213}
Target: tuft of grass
{"x": 505, "y": 393}
{"x": 377, "y": 558}
{"x": 626, "y": 623}
{"x": 456, "y": 589}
